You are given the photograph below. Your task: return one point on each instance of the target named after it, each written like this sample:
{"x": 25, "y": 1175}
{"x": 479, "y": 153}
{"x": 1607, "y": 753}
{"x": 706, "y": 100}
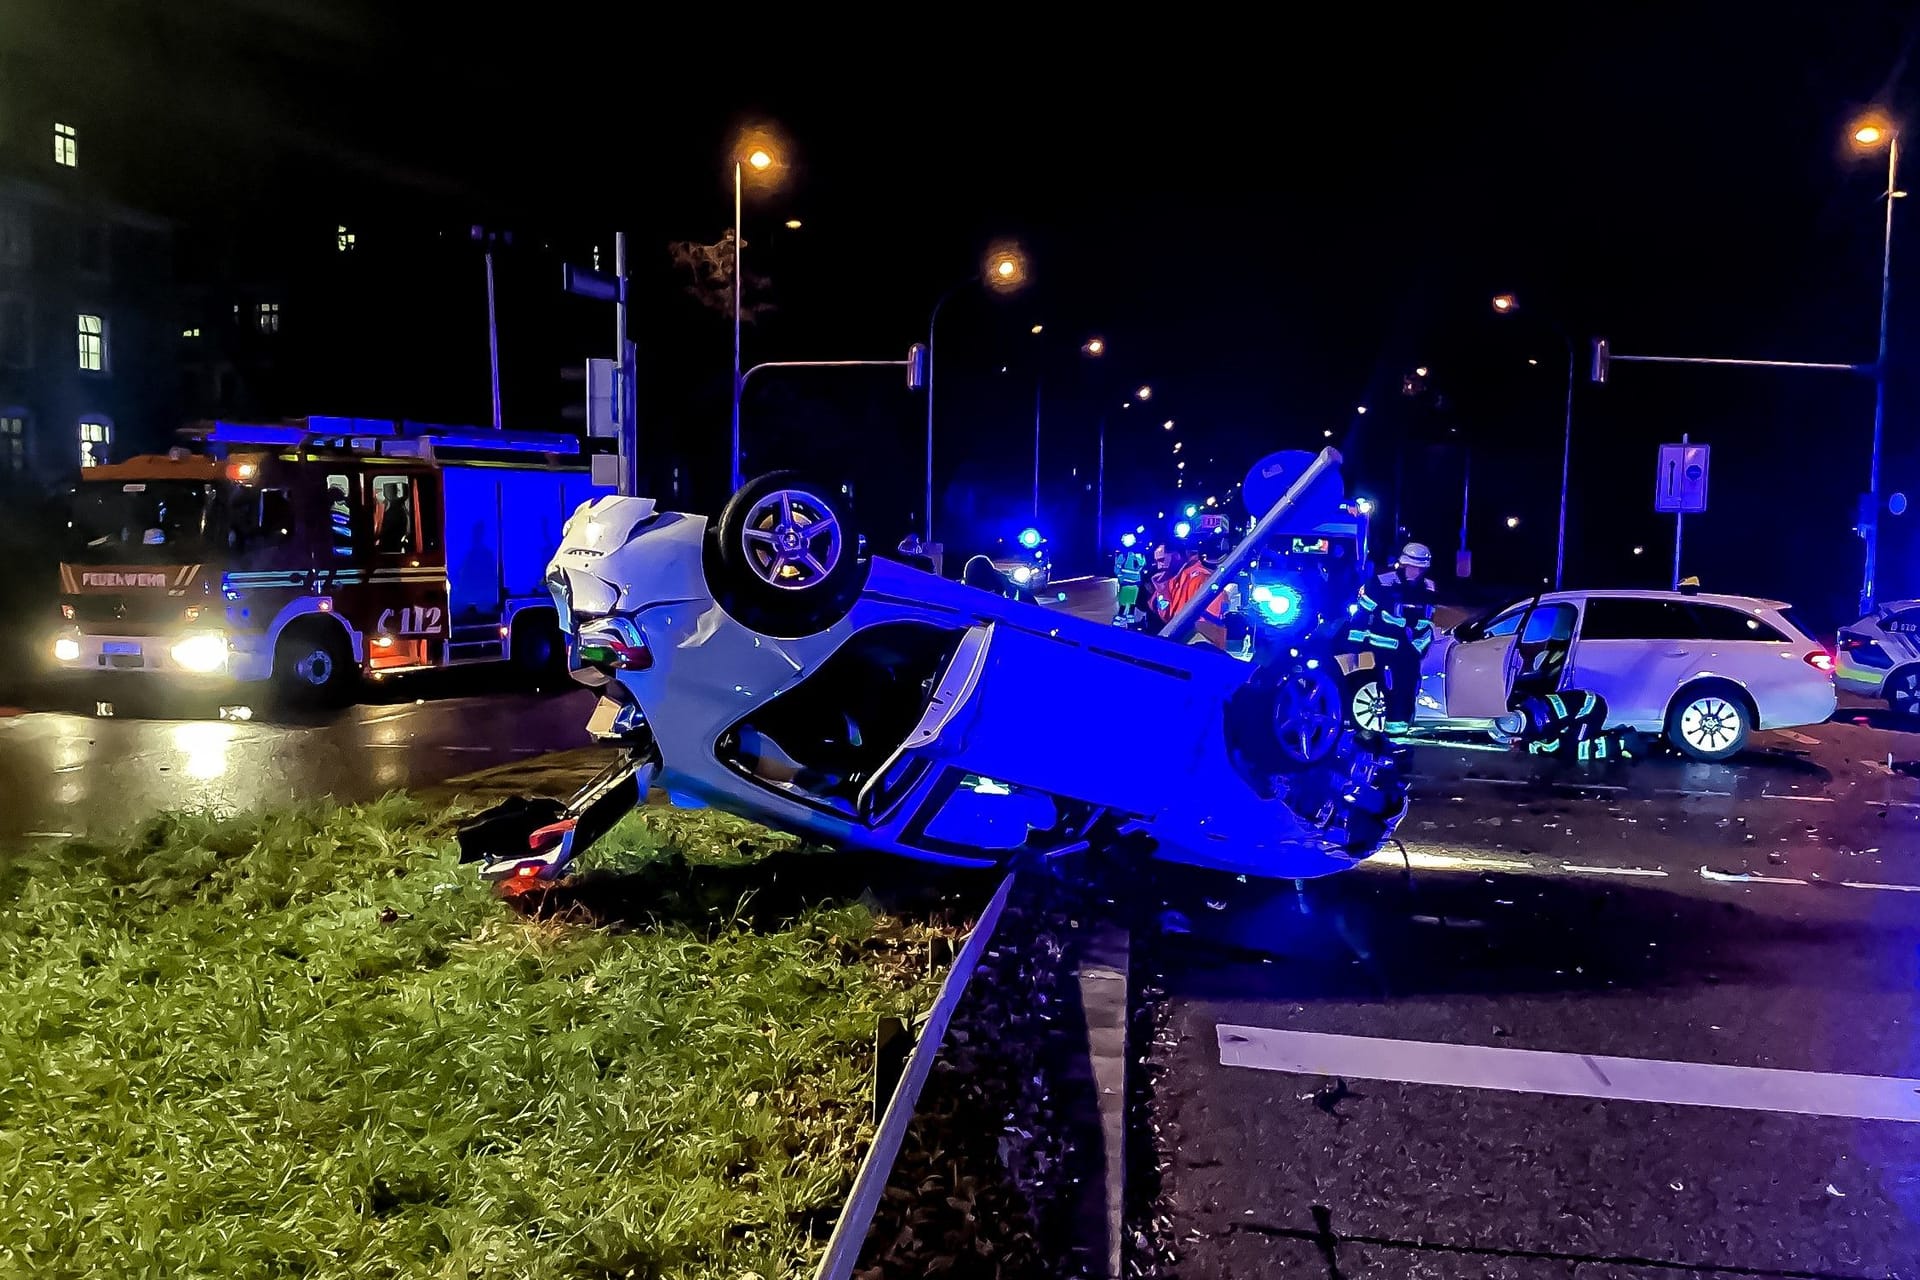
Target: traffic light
{"x": 1602, "y": 357}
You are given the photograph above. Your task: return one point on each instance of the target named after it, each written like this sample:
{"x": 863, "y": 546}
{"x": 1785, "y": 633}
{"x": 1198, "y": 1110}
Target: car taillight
{"x": 615, "y": 654}
{"x": 1820, "y": 660}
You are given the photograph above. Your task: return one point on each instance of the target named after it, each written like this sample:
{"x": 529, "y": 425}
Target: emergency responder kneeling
{"x": 1395, "y": 622}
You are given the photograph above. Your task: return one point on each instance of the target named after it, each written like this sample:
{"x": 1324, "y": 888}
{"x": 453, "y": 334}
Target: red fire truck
{"x": 316, "y": 551}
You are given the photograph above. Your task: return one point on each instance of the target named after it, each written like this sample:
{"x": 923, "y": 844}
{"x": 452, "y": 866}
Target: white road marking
{"x": 1572, "y": 1075}
{"x": 392, "y": 715}
{"x": 1745, "y": 877}
{"x": 48, "y": 835}
{"x": 1612, "y": 871}
{"x": 1777, "y": 795}
{"x": 1677, "y": 791}
{"x": 467, "y": 748}
{"x": 1879, "y": 884}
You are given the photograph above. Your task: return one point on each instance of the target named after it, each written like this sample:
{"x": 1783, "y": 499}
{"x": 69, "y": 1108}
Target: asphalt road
{"x": 1764, "y": 914}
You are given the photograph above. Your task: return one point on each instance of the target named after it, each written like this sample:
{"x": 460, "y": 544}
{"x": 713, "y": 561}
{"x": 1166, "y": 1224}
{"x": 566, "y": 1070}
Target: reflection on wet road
{"x": 68, "y": 773}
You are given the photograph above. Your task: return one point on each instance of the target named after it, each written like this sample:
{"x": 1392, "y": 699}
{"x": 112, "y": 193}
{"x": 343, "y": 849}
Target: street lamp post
{"x": 1506, "y": 304}
{"x": 760, "y": 159}
{"x": 1872, "y": 133}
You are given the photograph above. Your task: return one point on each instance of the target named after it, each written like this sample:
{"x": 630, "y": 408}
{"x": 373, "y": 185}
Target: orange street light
{"x": 761, "y": 159}
{"x": 1505, "y": 302}
{"x": 1093, "y": 347}
{"x": 793, "y": 224}
{"x": 1006, "y": 268}
{"x": 1144, "y": 393}
{"x": 1037, "y": 328}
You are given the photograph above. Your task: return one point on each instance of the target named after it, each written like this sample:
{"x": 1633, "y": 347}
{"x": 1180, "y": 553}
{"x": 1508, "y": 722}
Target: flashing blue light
{"x": 507, "y": 442}
{"x": 1193, "y": 510}
{"x": 1279, "y": 604}
{"x": 1029, "y": 538}
{"x": 1182, "y": 529}
{"x": 322, "y": 424}
{"x": 254, "y": 433}
{"x": 1127, "y": 539}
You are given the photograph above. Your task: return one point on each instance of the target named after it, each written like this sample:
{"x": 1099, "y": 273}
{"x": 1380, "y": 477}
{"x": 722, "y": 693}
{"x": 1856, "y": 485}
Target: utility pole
{"x": 1870, "y": 524}
{"x": 493, "y": 341}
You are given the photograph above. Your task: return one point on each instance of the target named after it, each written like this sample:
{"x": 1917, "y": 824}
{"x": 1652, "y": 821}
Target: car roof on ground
{"x": 1627, "y": 593}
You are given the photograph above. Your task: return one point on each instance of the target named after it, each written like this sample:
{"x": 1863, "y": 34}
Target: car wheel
{"x": 312, "y": 664}
{"x": 1709, "y": 722}
{"x": 784, "y": 559}
{"x": 1284, "y": 721}
{"x": 1902, "y": 693}
{"x": 1367, "y": 701}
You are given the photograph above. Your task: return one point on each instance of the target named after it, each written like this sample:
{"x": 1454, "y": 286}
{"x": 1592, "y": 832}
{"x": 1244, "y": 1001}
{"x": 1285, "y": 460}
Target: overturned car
{"x": 764, "y": 663}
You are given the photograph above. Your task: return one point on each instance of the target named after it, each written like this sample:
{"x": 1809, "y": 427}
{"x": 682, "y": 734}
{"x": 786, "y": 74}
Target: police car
{"x": 1879, "y": 657}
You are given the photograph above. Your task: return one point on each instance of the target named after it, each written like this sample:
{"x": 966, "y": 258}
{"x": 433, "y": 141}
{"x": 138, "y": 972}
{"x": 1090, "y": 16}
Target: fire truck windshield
{"x": 144, "y": 521}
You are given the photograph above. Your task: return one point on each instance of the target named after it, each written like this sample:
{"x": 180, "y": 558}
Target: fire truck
{"x": 318, "y": 551}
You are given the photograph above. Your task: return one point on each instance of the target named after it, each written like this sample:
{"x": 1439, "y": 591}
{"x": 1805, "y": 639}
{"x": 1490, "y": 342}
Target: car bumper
{"x": 1800, "y": 704}
{"x": 1868, "y": 682}
{"x": 247, "y": 658}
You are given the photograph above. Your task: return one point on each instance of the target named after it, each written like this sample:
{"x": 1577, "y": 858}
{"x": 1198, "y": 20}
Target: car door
{"x": 1480, "y": 666}
{"x": 1633, "y": 651}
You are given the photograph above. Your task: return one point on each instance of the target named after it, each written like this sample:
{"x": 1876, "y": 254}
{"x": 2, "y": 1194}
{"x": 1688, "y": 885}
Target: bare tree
{"x": 710, "y": 271}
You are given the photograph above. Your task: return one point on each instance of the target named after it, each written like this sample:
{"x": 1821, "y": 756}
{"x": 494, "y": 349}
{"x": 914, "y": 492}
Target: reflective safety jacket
{"x": 1129, "y": 567}
{"x": 1185, "y": 585}
{"x": 1394, "y": 612}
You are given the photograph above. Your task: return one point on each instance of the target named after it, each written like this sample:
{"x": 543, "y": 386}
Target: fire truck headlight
{"x": 66, "y": 649}
{"x": 205, "y": 651}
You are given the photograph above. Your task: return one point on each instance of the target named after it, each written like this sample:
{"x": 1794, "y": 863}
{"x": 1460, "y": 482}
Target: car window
{"x": 1628, "y": 618}
{"x": 1549, "y": 622}
{"x": 1717, "y": 622}
{"x": 1906, "y": 622}
{"x": 1506, "y": 624}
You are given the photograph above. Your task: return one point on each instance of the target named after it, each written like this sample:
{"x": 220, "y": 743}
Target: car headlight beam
{"x": 66, "y": 649}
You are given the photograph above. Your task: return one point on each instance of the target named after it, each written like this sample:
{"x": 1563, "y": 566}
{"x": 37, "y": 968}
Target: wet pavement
{"x": 1764, "y": 914}
{"x": 68, "y": 771}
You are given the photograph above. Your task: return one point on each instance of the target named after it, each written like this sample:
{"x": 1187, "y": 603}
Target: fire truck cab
{"x": 314, "y": 552}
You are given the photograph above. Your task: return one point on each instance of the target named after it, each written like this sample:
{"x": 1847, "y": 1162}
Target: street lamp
{"x": 1144, "y": 393}
{"x": 1004, "y": 271}
{"x": 1869, "y": 132}
{"x": 1094, "y": 347}
{"x": 1507, "y": 304}
{"x": 754, "y": 150}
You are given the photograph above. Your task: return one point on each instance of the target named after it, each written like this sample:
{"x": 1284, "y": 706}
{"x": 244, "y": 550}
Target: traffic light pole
{"x": 626, "y": 382}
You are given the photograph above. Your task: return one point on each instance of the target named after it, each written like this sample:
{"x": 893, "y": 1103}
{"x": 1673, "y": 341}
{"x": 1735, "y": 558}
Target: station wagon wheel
{"x": 1903, "y": 693}
{"x": 792, "y": 539}
{"x": 785, "y": 558}
{"x": 1367, "y": 702}
{"x": 1709, "y": 722}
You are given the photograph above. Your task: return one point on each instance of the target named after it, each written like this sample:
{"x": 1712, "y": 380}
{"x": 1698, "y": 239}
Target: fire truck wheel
{"x": 785, "y": 558}
{"x": 312, "y": 663}
{"x": 538, "y": 649}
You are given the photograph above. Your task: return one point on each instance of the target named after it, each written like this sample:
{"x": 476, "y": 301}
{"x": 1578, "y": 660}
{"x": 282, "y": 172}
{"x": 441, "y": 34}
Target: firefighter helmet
{"x": 1416, "y": 555}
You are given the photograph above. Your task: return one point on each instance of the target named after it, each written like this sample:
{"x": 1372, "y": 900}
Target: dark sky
{"x": 1269, "y": 217}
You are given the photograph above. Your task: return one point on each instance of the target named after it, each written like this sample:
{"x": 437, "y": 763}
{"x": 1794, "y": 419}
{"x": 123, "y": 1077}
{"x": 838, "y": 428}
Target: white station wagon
{"x": 1704, "y": 670}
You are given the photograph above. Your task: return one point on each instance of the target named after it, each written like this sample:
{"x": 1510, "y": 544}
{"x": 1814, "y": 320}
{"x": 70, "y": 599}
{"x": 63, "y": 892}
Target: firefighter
{"x": 1569, "y": 722}
{"x": 1129, "y": 568}
{"x": 1394, "y": 620}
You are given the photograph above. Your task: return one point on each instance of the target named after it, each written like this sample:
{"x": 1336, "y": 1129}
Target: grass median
{"x": 308, "y": 1042}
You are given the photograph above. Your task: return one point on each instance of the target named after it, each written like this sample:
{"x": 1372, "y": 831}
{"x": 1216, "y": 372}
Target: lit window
{"x": 344, "y": 239}
{"x": 93, "y": 344}
{"x": 596, "y": 257}
{"x": 96, "y": 440}
{"x": 267, "y": 315}
{"x": 194, "y": 332}
{"x": 66, "y": 145}
{"x": 13, "y": 444}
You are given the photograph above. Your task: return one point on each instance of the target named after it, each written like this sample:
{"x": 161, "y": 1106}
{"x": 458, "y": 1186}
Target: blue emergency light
{"x": 1029, "y": 538}
{"x": 1126, "y": 539}
{"x": 1278, "y": 603}
{"x": 1192, "y": 510}
{"x": 1182, "y": 529}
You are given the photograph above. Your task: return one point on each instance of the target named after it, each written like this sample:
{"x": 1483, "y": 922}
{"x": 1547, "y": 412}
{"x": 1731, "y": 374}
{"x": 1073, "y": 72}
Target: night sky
{"x": 1269, "y": 220}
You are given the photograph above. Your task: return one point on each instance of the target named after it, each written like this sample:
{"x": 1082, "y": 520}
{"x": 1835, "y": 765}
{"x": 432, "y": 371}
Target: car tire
{"x": 1366, "y": 701}
{"x": 1902, "y": 693}
{"x": 1284, "y": 721}
{"x": 537, "y": 649}
{"x": 313, "y": 664}
{"x": 785, "y": 558}
{"x": 1709, "y": 721}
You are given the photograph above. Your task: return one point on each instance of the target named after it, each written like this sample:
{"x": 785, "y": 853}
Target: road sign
{"x": 589, "y": 284}
{"x": 603, "y": 417}
{"x": 1680, "y": 482}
